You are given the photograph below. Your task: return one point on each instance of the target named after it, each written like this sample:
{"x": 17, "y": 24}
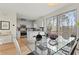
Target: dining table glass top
{"x": 61, "y": 43}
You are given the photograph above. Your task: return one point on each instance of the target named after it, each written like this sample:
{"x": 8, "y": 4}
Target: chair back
{"x": 73, "y": 48}
{"x": 38, "y": 37}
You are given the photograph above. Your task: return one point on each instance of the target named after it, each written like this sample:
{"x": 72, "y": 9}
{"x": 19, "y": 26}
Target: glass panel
{"x": 52, "y": 24}
{"x": 66, "y": 24}
{"x": 49, "y": 24}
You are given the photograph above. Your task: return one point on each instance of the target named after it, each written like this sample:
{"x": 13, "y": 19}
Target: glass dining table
{"x": 61, "y": 43}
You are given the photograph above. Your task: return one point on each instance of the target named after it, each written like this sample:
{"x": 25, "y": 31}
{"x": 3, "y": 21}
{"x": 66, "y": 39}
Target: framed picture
{"x": 4, "y": 25}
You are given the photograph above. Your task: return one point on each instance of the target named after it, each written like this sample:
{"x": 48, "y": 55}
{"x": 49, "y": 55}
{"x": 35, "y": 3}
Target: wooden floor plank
{"x": 10, "y": 49}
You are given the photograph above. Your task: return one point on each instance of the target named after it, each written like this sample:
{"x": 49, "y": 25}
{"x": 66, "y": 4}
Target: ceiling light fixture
{"x": 52, "y": 4}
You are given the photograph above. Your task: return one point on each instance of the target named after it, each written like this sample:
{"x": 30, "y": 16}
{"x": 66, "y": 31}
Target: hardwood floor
{"x": 7, "y": 49}
{"x": 10, "y": 49}
{"x": 23, "y": 45}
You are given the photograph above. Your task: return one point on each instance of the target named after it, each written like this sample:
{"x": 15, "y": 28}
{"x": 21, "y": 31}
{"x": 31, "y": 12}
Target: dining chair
{"x": 39, "y": 46}
{"x": 68, "y": 47}
{"x": 71, "y": 52}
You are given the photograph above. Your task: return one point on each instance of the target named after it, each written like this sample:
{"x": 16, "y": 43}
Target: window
{"x": 63, "y": 23}
{"x": 67, "y": 23}
{"x": 52, "y": 24}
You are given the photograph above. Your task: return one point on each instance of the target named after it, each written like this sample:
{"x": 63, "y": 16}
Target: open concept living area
{"x": 39, "y": 28}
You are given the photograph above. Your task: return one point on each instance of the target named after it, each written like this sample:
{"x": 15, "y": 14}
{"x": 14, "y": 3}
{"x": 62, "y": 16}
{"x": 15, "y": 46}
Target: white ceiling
{"x": 32, "y": 11}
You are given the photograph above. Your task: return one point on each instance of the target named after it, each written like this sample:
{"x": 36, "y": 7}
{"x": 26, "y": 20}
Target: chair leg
{"x": 35, "y": 46}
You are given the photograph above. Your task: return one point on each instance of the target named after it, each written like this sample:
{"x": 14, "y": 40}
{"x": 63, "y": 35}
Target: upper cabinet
{"x": 39, "y": 23}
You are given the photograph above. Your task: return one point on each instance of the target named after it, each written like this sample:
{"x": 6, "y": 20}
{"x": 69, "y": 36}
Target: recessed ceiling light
{"x": 52, "y": 4}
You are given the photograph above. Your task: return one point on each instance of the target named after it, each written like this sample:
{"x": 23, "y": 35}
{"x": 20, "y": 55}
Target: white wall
{"x": 11, "y": 17}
